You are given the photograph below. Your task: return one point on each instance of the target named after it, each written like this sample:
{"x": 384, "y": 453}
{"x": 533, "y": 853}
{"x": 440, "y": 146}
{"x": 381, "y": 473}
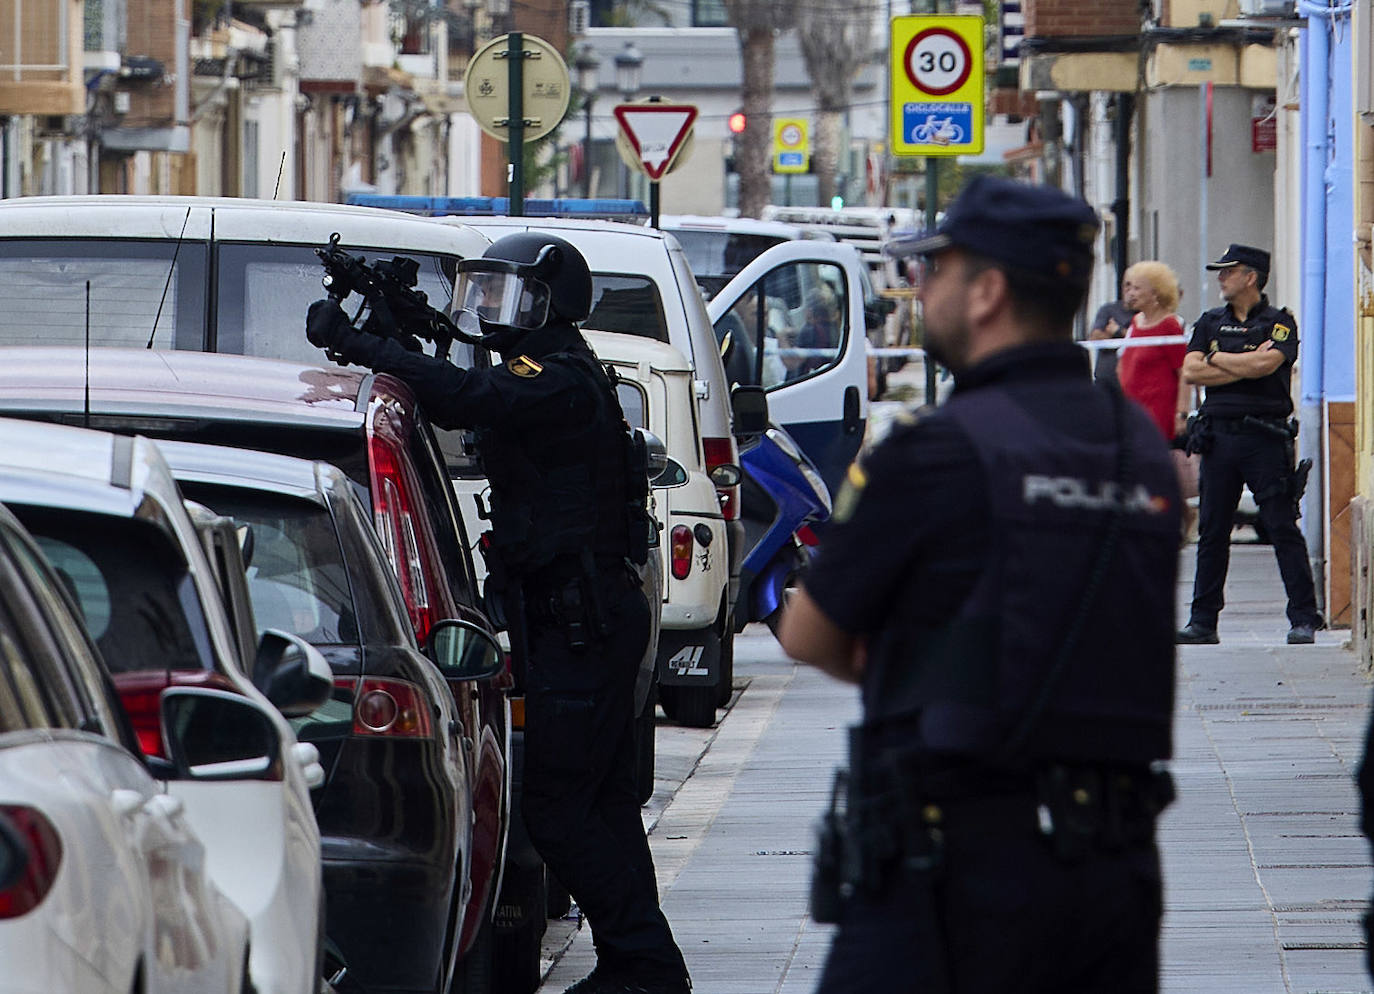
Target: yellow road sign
{"x": 936, "y": 98}
{"x": 791, "y": 145}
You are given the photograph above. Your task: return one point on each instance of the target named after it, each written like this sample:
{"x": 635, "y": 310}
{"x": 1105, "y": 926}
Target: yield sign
{"x": 657, "y": 132}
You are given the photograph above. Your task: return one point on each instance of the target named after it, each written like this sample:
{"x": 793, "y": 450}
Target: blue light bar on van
{"x": 604, "y": 208}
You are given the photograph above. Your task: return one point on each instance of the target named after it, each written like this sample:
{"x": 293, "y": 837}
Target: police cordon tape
{"x": 912, "y": 351}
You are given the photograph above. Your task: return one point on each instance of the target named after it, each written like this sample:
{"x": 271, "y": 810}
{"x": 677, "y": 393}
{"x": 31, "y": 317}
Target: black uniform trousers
{"x": 1242, "y": 454}
{"x": 580, "y": 803}
{"x": 1002, "y": 913}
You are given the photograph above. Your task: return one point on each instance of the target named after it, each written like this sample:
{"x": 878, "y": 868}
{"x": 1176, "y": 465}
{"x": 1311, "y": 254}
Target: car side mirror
{"x": 749, "y": 406}
{"x": 658, "y": 452}
{"x": 218, "y": 735}
{"x": 464, "y": 651}
{"x": 673, "y": 474}
{"x": 14, "y": 854}
{"x": 291, "y": 673}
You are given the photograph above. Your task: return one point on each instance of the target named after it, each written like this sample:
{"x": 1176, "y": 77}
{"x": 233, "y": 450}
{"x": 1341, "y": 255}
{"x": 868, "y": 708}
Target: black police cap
{"x": 1038, "y": 230}
{"x": 1242, "y": 255}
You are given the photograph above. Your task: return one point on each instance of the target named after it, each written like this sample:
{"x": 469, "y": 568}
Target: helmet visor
{"x": 503, "y": 297}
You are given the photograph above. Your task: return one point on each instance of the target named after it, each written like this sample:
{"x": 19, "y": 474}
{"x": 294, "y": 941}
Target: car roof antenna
{"x": 86, "y": 419}
{"x": 170, "y": 270}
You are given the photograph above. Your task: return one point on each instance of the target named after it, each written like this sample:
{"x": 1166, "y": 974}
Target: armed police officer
{"x": 1000, "y": 584}
{"x": 567, "y": 517}
{"x": 1243, "y": 353}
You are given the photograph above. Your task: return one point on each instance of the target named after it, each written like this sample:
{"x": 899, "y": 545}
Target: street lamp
{"x": 586, "y": 64}
{"x": 629, "y": 68}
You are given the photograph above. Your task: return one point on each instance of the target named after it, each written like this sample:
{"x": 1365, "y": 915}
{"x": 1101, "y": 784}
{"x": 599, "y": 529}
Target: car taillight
{"x": 517, "y": 712}
{"x": 681, "y": 547}
{"x": 721, "y": 452}
{"x": 141, "y": 694}
{"x": 396, "y": 524}
{"x": 392, "y": 708}
{"x": 807, "y": 537}
{"x": 44, "y": 856}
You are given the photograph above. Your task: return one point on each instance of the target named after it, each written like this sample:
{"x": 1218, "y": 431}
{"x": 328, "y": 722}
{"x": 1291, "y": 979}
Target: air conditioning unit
{"x": 579, "y": 17}
{"x": 1267, "y": 8}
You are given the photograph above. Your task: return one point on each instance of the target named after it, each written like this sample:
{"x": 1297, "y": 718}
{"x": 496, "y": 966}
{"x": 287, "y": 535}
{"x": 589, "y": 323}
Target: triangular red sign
{"x": 656, "y": 132}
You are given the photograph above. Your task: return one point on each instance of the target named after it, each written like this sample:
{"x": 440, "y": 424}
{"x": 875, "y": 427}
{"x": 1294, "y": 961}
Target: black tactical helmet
{"x": 521, "y": 282}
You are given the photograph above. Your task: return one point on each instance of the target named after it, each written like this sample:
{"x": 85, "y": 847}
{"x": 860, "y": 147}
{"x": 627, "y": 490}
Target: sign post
{"x": 656, "y": 132}
{"x": 935, "y": 101}
{"x": 517, "y": 89}
{"x": 936, "y": 76}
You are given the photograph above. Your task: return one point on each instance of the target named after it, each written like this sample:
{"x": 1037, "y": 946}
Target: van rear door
{"x": 793, "y": 321}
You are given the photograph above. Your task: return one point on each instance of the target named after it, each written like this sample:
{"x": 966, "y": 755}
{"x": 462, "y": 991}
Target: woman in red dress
{"x": 1150, "y": 374}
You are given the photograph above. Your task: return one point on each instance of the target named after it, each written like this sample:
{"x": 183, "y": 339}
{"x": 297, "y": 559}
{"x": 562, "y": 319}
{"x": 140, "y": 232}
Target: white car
{"x": 695, "y": 666}
{"x": 106, "y": 512}
{"x": 103, "y": 885}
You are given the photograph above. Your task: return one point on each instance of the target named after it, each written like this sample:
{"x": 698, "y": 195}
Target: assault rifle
{"x": 398, "y": 310}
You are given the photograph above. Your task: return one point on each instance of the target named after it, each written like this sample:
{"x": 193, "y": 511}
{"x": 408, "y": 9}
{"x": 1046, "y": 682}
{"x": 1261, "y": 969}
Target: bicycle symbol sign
{"x": 937, "y": 61}
{"x": 935, "y": 85}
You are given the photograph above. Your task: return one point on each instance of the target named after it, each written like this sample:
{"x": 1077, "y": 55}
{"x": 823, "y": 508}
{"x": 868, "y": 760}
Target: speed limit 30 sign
{"x": 936, "y": 100}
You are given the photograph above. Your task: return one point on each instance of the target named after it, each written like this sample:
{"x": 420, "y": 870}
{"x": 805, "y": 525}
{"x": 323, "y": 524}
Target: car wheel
{"x": 515, "y": 962}
{"x": 725, "y": 686}
{"x": 476, "y": 970}
{"x": 693, "y": 706}
{"x": 646, "y": 734}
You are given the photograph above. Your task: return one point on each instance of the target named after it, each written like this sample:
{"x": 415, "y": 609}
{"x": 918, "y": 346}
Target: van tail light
{"x": 721, "y": 452}
{"x": 807, "y": 537}
{"x": 44, "y": 847}
{"x": 394, "y": 515}
{"x": 681, "y": 546}
{"x": 391, "y": 708}
{"x": 141, "y": 694}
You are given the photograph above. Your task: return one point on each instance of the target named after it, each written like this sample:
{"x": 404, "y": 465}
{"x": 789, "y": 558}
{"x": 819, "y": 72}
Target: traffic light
{"x": 737, "y": 122}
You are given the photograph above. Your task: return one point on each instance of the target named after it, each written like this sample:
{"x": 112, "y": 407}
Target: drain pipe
{"x": 1315, "y": 103}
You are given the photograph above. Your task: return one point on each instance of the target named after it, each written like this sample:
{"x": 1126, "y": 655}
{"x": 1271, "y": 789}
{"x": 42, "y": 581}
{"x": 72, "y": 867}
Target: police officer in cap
{"x": 1243, "y": 353}
{"x": 567, "y": 519}
{"x": 999, "y": 582}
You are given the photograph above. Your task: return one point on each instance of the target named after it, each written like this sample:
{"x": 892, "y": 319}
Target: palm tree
{"x": 756, "y": 22}
{"x": 836, "y": 39}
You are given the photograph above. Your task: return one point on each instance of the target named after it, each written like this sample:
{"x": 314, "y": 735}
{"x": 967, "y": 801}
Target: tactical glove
{"x": 328, "y": 327}
{"x": 326, "y": 323}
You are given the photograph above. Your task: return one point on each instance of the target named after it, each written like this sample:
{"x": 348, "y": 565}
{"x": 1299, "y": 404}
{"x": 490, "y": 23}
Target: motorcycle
{"x": 783, "y": 504}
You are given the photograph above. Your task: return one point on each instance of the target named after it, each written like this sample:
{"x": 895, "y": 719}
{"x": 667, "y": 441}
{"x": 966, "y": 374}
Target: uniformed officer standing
{"x": 565, "y": 519}
{"x": 1243, "y": 353}
{"x": 1000, "y": 583}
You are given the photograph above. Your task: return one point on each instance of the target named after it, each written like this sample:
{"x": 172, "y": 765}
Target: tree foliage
{"x": 836, "y": 40}
{"x": 757, "y": 23}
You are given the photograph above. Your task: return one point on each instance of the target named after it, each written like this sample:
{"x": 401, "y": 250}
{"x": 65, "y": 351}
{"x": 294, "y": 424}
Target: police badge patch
{"x": 1281, "y": 333}
{"x": 524, "y": 366}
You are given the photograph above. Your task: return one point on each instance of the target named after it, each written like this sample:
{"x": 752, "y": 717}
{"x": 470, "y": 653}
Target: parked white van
{"x": 208, "y": 274}
{"x": 654, "y": 386}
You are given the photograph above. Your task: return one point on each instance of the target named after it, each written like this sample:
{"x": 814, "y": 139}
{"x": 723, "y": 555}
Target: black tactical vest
{"x": 962, "y": 687}
{"x": 560, "y": 492}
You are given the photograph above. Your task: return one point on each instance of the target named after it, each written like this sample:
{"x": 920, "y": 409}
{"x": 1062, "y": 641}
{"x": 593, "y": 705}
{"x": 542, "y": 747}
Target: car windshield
{"x": 296, "y": 574}
{"x": 134, "y": 285}
{"x": 630, "y": 305}
{"x": 263, "y": 292}
{"x": 716, "y": 256}
{"x": 135, "y": 593}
